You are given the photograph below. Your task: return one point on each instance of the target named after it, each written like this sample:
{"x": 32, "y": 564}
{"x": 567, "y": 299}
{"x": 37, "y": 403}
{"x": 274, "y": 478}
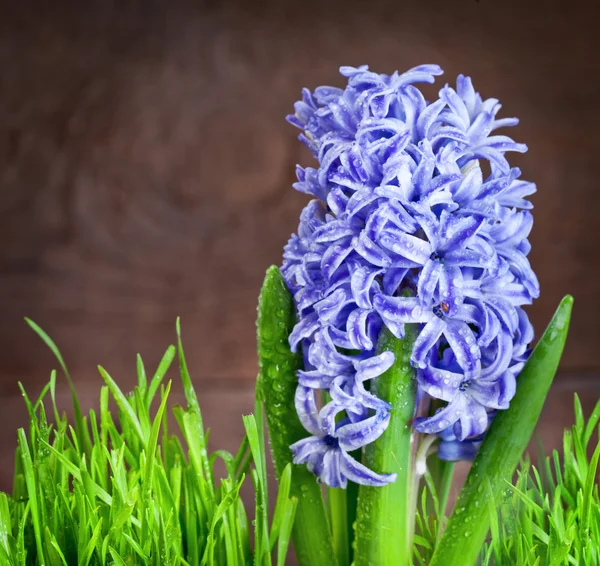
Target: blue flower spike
{"x": 417, "y": 219}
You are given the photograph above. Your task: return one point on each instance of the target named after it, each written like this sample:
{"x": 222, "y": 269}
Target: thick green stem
{"x": 503, "y": 447}
{"x": 386, "y": 515}
{"x": 277, "y": 385}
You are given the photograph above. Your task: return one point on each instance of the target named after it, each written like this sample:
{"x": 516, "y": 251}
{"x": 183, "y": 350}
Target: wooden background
{"x": 146, "y": 170}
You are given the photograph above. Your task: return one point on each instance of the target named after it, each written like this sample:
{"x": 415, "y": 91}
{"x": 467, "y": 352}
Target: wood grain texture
{"x": 146, "y": 169}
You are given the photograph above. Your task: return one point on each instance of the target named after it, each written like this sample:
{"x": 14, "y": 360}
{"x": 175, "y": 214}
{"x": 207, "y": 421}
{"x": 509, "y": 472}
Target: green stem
{"x": 503, "y": 447}
{"x": 445, "y": 484}
{"x": 277, "y": 386}
{"x": 386, "y": 515}
{"x": 338, "y": 513}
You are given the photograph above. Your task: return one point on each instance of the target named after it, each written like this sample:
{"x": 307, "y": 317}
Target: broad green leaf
{"x": 503, "y": 447}
{"x": 277, "y": 383}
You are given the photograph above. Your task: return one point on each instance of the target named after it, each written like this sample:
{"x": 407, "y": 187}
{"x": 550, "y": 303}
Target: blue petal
{"x": 315, "y": 379}
{"x": 443, "y": 418}
{"x": 426, "y": 340}
{"x": 464, "y": 346}
{"x": 371, "y": 251}
{"x": 361, "y": 284}
{"x": 334, "y": 256}
{"x": 332, "y": 231}
{"x": 428, "y": 281}
{"x": 357, "y": 330}
{"x": 406, "y": 246}
{"x": 472, "y": 421}
{"x": 392, "y": 278}
{"x": 304, "y": 328}
{"x": 439, "y": 383}
{"x": 451, "y": 283}
{"x": 360, "y": 474}
{"x": 374, "y": 366}
{"x": 306, "y": 447}
{"x": 329, "y": 307}
{"x": 356, "y": 435}
{"x": 306, "y": 407}
{"x": 400, "y": 309}
{"x": 455, "y": 451}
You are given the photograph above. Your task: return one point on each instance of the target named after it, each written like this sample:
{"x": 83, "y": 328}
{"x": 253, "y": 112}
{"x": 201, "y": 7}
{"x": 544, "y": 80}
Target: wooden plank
{"x": 145, "y": 166}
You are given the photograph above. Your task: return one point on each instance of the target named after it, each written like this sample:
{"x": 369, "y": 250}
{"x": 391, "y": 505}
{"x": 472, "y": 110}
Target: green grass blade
{"x": 141, "y": 374}
{"x": 281, "y": 504}
{"x": 591, "y": 424}
{"x": 159, "y": 374}
{"x": 503, "y": 447}
{"x": 122, "y": 403}
{"x": 277, "y": 386}
{"x": 588, "y": 492}
{"x": 195, "y": 421}
{"x": 385, "y": 515}
{"x": 32, "y": 487}
{"x": 285, "y": 531}
{"x": 262, "y": 551}
{"x": 54, "y": 349}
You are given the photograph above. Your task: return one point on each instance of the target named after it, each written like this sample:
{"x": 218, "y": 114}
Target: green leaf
{"x": 277, "y": 386}
{"x": 386, "y": 515}
{"x": 503, "y": 447}
{"x": 161, "y": 370}
{"x": 122, "y": 403}
{"x": 285, "y": 531}
{"x": 32, "y": 492}
{"x": 79, "y": 423}
{"x": 281, "y": 505}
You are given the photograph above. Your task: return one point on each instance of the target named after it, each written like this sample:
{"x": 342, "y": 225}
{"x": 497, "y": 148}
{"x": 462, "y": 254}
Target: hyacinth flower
{"x": 402, "y": 296}
{"x": 406, "y": 228}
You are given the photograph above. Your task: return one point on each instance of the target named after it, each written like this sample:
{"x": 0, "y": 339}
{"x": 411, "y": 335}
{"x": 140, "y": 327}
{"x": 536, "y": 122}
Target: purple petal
{"x": 464, "y": 346}
{"x": 331, "y": 473}
{"x": 472, "y": 421}
{"x": 331, "y": 306}
{"x": 455, "y": 451}
{"x": 451, "y": 280}
{"x": 315, "y": 379}
{"x": 306, "y": 407}
{"x": 335, "y": 255}
{"x": 361, "y": 282}
{"x": 356, "y": 326}
{"x": 439, "y": 383}
{"x": 332, "y": 231}
{"x": 356, "y": 435}
{"x": 428, "y": 117}
{"x": 400, "y": 309}
{"x": 327, "y": 417}
{"x": 370, "y": 251}
{"x": 427, "y": 339}
{"x": 443, "y": 418}
{"x": 359, "y": 200}
{"x": 405, "y": 245}
{"x": 392, "y": 278}
{"x": 360, "y": 474}
{"x": 502, "y": 359}
{"x": 428, "y": 280}
{"x": 306, "y": 447}
{"x": 304, "y": 328}
{"x": 374, "y": 366}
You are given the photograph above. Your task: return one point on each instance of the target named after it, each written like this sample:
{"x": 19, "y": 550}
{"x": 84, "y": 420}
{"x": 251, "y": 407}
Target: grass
{"x": 128, "y": 490}
{"x": 549, "y": 517}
